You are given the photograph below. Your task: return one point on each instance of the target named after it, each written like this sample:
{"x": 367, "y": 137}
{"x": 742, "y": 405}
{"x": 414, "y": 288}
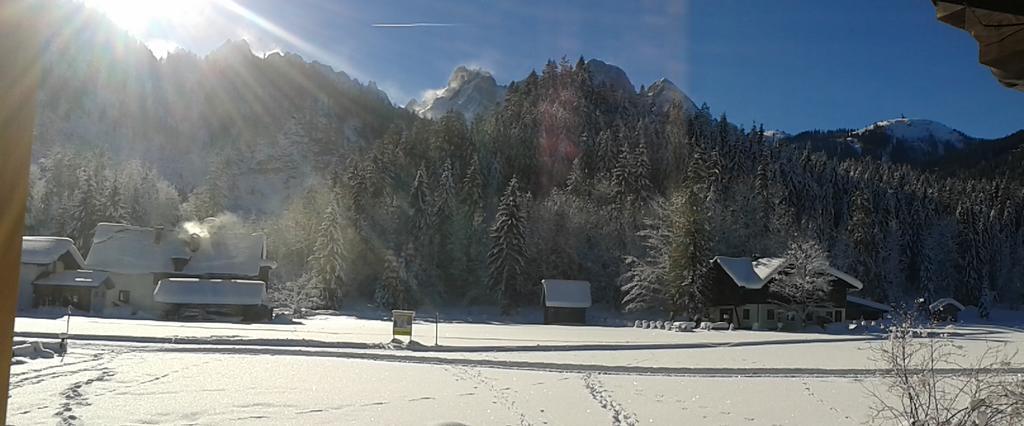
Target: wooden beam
{"x": 21, "y": 34}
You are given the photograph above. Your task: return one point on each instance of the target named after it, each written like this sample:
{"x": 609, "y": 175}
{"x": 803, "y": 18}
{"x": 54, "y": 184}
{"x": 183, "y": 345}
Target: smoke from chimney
{"x": 224, "y": 222}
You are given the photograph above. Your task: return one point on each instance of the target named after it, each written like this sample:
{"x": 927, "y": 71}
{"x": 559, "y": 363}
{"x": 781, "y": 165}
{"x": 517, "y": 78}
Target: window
{"x": 123, "y": 296}
{"x": 771, "y": 314}
{"x": 838, "y": 315}
{"x": 828, "y": 314}
{"x": 746, "y": 314}
{"x": 723, "y": 315}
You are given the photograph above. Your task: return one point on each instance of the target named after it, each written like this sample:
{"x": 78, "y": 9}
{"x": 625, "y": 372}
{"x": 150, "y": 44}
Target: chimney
{"x": 158, "y": 234}
{"x": 180, "y": 262}
{"x": 193, "y": 242}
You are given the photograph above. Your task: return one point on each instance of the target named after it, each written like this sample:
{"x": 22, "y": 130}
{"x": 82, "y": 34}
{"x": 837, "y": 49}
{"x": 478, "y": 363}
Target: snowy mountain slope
{"x": 920, "y": 132}
{"x": 773, "y": 136}
{"x": 469, "y": 91}
{"x": 901, "y": 140}
{"x": 185, "y": 113}
{"x": 664, "y": 93}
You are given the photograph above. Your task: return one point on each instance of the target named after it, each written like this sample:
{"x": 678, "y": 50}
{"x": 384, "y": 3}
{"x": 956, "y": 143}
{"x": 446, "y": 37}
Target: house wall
{"x": 140, "y": 295}
{"x": 26, "y": 276}
{"x": 565, "y": 315}
{"x": 765, "y": 316}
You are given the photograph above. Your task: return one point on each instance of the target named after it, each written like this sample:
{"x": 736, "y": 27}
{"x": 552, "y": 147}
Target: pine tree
{"x": 472, "y": 193}
{"x": 422, "y": 213}
{"x": 392, "y": 292}
{"x": 608, "y": 154}
{"x": 622, "y": 178}
{"x": 641, "y": 173}
{"x": 326, "y": 264}
{"x": 507, "y": 257}
{"x": 84, "y": 212}
{"x": 576, "y": 184}
{"x": 984, "y": 302}
{"x": 938, "y": 259}
{"x": 114, "y": 200}
{"x": 690, "y": 251}
{"x": 447, "y": 191}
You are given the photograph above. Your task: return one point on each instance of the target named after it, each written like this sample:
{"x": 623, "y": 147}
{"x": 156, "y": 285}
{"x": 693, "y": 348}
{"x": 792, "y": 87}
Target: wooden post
{"x": 21, "y": 33}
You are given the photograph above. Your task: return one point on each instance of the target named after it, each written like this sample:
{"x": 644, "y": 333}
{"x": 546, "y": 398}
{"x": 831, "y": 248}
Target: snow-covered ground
{"x": 342, "y": 369}
{"x": 127, "y": 385}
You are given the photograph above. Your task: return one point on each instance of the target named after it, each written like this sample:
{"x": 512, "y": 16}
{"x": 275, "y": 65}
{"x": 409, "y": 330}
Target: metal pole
{"x": 437, "y": 316}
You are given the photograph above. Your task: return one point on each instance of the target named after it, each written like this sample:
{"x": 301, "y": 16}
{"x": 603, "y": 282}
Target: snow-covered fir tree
{"x": 326, "y": 264}
{"x": 506, "y": 259}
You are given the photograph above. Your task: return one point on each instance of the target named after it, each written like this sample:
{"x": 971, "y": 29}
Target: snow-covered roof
{"x": 939, "y": 304}
{"x": 853, "y": 282}
{"x": 766, "y": 267}
{"x": 741, "y": 270}
{"x": 134, "y": 250}
{"x": 869, "y": 303}
{"x": 755, "y": 274}
{"x": 46, "y": 250}
{"x": 194, "y": 291}
{"x": 566, "y": 293}
{"x": 77, "y": 278}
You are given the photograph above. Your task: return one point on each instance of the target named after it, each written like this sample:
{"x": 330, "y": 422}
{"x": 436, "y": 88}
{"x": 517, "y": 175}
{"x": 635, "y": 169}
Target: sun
{"x": 141, "y": 16}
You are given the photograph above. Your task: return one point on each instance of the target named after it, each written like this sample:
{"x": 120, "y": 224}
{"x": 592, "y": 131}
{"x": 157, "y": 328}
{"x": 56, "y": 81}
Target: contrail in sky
{"x": 413, "y": 25}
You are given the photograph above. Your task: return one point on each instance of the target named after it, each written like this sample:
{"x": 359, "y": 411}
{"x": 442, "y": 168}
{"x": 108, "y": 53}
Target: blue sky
{"x": 792, "y": 65}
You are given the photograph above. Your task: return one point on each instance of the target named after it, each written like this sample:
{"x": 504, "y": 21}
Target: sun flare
{"x": 140, "y": 16}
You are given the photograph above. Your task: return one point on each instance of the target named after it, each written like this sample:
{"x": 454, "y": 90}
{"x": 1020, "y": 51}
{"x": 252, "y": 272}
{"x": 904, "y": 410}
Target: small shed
{"x": 42, "y": 257}
{"x": 81, "y": 289}
{"x": 565, "y": 301}
{"x": 946, "y": 309}
{"x": 860, "y": 308}
{"x": 210, "y": 298}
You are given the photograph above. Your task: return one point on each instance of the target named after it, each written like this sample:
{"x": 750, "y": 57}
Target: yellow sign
{"x": 402, "y": 323}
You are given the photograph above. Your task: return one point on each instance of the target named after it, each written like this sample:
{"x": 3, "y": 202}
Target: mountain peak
{"x": 470, "y": 91}
{"x": 461, "y": 75}
{"x": 664, "y": 93}
{"x": 610, "y": 75}
{"x": 918, "y": 130}
{"x": 232, "y": 48}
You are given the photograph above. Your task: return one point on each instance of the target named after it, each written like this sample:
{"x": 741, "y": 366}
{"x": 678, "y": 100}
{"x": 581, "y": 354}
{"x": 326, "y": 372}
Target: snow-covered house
{"x": 565, "y": 301}
{"x": 945, "y": 309}
{"x": 160, "y": 272}
{"x": 43, "y": 257}
{"x": 740, "y": 294}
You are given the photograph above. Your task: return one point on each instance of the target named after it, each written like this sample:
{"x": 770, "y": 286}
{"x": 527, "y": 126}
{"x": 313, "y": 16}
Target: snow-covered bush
{"x": 929, "y": 380}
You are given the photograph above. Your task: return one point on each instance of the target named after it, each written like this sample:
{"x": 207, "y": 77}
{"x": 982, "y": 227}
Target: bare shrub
{"x": 927, "y": 379}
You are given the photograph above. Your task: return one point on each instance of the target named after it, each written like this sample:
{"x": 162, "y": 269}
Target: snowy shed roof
{"x": 941, "y": 303}
{"x": 868, "y": 303}
{"x": 566, "y": 293}
{"x": 78, "y": 278}
{"x": 46, "y": 250}
{"x": 853, "y": 282}
{"x": 194, "y": 291}
{"x": 134, "y": 250}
